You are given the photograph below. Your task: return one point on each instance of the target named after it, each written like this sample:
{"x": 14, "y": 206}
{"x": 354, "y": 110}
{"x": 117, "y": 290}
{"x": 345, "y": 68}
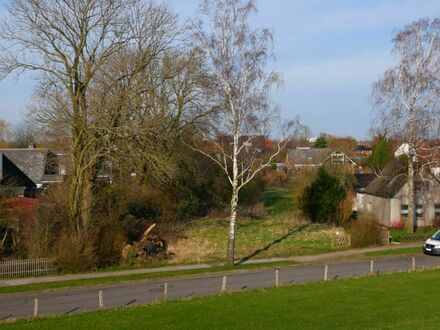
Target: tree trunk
{"x": 411, "y": 198}
{"x": 233, "y": 218}
{"x": 80, "y": 198}
{"x": 234, "y": 202}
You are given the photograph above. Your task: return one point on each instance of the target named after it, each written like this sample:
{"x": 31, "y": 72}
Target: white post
{"x": 35, "y": 307}
{"x": 371, "y": 267}
{"x": 165, "y": 291}
{"x": 224, "y": 281}
{"x": 326, "y": 273}
{"x": 277, "y": 278}
{"x": 101, "y": 300}
{"x": 413, "y": 264}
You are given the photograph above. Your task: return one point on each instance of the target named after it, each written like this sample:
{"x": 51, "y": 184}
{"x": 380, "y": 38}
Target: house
{"x": 301, "y": 158}
{"x": 363, "y": 150}
{"x": 386, "y": 196}
{"x": 24, "y": 172}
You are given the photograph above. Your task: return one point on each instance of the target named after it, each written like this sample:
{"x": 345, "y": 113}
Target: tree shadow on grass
{"x": 268, "y": 246}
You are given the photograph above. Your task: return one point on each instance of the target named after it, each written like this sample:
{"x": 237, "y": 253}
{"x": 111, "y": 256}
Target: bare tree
{"x": 239, "y": 88}
{"x": 70, "y": 43}
{"x": 407, "y": 97}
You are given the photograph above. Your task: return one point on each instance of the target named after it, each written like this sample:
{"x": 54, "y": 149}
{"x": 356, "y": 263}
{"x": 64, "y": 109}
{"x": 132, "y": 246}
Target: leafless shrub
{"x": 365, "y": 231}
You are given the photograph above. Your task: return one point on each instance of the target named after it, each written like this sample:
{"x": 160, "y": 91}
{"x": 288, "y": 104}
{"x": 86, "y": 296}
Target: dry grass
{"x": 205, "y": 240}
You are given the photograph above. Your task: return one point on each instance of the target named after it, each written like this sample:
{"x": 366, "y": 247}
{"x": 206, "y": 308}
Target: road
{"x": 75, "y": 300}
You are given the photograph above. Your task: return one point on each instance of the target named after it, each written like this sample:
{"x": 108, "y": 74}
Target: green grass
{"x": 413, "y": 250}
{"x": 206, "y": 240}
{"x": 278, "y": 201}
{"x": 139, "y": 277}
{"x": 397, "y": 301}
{"x": 398, "y": 234}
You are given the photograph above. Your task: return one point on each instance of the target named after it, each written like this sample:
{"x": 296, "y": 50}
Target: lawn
{"x": 205, "y": 241}
{"x": 278, "y": 201}
{"x": 279, "y": 234}
{"x": 402, "y": 300}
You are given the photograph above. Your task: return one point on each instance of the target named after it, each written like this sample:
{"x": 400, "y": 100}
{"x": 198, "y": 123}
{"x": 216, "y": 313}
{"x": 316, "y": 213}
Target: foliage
{"x": 321, "y": 142}
{"x": 365, "y": 231}
{"x": 320, "y": 201}
{"x": 382, "y": 154}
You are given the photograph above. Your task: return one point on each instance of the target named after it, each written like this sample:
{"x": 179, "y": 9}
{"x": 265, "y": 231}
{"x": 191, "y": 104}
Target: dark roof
{"x": 363, "y": 180}
{"x": 32, "y": 162}
{"x": 313, "y": 156}
{"x": 390, "y": 181}
{"x": 361, "y": 147}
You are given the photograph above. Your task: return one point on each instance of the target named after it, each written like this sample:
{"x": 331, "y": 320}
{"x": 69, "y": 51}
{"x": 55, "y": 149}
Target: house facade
{"x": 25, "y": 171}
{"x": 301, "y": 158}
{"x": 386, "y": 197}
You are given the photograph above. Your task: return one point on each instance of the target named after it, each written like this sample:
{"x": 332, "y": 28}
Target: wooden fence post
{"x": 277, "y": 278}
{"x": 35, "y": 307}
{"x": 224, "y": 282}
{"x": 165, "y": 291}
{"x": 413, "y": 264}
{"x": 371, "y": 267}
{"x": 326, "y": 273}
{"x": 101, "y": 300}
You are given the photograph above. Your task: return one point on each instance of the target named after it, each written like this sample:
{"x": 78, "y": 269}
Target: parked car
{"x": 432, "y": 245}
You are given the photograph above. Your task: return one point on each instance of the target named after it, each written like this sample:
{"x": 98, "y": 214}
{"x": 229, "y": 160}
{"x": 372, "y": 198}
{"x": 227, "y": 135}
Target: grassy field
{"x": 277, "y": 235}
{"x": 403, "y": 301}
{"x": 205, "y": 241}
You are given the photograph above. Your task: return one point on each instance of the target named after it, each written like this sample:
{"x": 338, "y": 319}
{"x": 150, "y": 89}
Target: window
{"x": 437, "y": 211}
{"x": 419, "y": 210}
{"x": 404, "y": 210}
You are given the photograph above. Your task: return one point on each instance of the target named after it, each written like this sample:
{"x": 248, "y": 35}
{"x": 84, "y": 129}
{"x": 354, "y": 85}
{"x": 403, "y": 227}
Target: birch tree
{"x": 238, "y": 89}
{"x": 407, "y": 98}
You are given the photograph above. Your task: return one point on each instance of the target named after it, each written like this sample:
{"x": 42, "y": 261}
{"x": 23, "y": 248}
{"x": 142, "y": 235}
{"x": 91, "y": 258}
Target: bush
{"x": 365, "y": 231}
{"x": 321, "y": 200}
{"x": 74, "y": 252}
{"x": 108, "y": 243}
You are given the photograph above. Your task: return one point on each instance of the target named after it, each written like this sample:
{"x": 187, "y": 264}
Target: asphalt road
{"x": 75, "y": 300}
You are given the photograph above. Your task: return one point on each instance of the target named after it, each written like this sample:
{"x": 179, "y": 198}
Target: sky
{"x": 329, "y": 53}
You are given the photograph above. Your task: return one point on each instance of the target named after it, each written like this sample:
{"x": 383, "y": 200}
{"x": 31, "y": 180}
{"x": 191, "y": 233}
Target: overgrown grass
{"x": 278, "y": 201}
{"x": 205, "y": 241}
{"x": 381, "y": 302}
{"x": 139, "y": 277}
{"x": 413, "y": 250}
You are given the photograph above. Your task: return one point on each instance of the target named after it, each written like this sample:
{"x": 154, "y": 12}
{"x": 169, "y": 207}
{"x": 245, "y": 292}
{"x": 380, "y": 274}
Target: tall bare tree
{"x": 239, "y": 88}
{"x": 408, "y": 94}
{"x": 70, "y": 43}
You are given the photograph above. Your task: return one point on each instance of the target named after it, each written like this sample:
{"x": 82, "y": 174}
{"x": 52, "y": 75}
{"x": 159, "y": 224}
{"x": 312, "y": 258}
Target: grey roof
{"x": 313, "y": 156}
{"x": 392, "y": 178}
{"x": 31, "y": 162}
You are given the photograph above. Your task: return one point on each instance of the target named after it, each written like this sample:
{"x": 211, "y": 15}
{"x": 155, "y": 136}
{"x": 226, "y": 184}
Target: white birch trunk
{"x": 234, "y": 201}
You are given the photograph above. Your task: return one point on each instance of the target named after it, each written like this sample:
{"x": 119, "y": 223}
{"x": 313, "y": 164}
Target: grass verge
{"x": 139, "y": 277}
{"x": 403, "y": 251}
{"x": 381, "y": 302}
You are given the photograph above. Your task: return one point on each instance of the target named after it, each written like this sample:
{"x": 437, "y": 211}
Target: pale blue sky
{"x": 330, "y": 53}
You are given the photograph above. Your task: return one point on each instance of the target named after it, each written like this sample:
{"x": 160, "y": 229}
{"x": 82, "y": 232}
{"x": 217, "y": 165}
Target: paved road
{"x": 68, "y": 301}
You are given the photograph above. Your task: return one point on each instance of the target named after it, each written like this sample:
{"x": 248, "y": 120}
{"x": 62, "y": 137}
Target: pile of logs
{"x": 149, "y": 246}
